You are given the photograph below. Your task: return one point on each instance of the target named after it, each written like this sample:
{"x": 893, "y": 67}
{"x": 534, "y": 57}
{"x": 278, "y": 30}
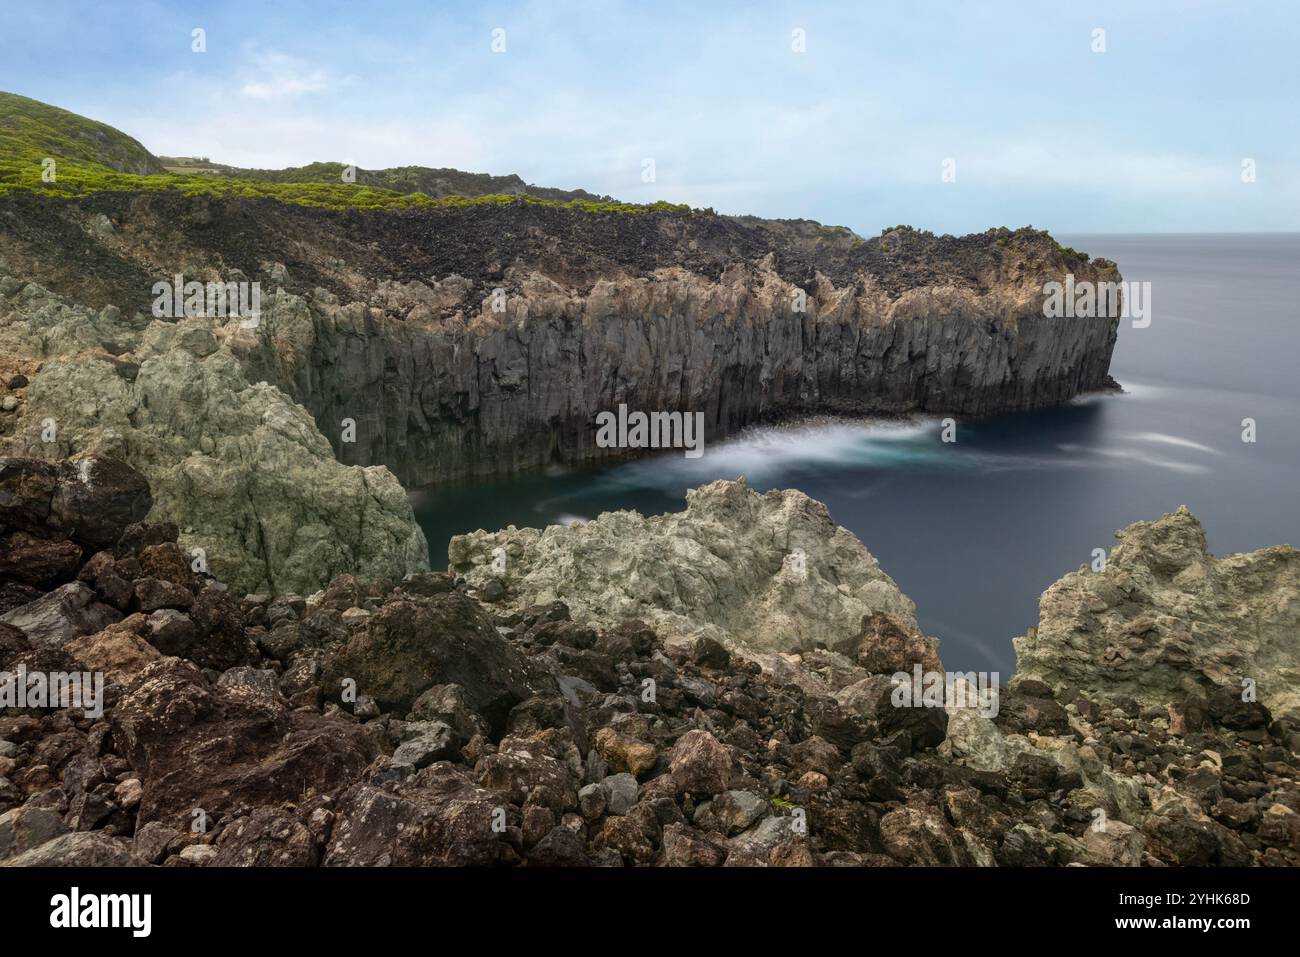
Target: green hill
{"x": 437, "y": 183}
{"x": 33, "y": 131}
{"x": 92, "y": 157}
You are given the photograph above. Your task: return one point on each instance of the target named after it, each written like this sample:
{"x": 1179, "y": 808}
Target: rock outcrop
{"x": 763, "y": 572}
{"x": 237, "y": 465}
{"x": 1170, "y": 625}
{"x": 377, "y": 724}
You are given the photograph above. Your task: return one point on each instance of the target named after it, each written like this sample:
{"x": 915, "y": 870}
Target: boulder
{"x": 424, "y": 742}
{"x": 196, "y": 746}
{"x": 440, "y": 820}
{"x": 91, "y": 499}
{"x": 68, "y": 612}
{"x": 700, "y": 764}
{"x": 412, "y": 644}
{"x": 118, "y": 651}
{"x": 759, "y": 572}
{"x": 25, "y": 828}
{"x": 269, "y": 837}
{"x": 78, "y": 849}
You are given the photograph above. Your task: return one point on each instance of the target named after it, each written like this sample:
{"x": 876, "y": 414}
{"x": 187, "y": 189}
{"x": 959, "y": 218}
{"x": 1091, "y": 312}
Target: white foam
{"x": 1166, "y": 439}
{"x": 759, "y": 452}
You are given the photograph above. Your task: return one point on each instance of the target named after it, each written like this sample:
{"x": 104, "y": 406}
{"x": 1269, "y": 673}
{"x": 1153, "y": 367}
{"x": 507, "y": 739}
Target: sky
{"x": 847, "y": 113}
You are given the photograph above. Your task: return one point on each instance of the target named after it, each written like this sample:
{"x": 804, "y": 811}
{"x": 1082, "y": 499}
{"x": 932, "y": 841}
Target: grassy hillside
{"x": 92, "y": 157}
{"x": 437, "y": 183}
{"x": 32, "y": 131}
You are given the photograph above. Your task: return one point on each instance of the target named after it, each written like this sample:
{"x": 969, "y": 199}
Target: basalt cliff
{"x": 423, "y": 343}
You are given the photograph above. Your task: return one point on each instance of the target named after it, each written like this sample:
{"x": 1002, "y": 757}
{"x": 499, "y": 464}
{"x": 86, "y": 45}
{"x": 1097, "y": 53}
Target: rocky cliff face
{"x": 483, "y": 340}
{"x": 1169, "y": 624}
{"x": 481, "y": 392}
{"x": 430, "y": 345}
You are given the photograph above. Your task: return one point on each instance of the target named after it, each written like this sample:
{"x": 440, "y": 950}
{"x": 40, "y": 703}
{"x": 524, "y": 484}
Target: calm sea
{"x": 973, "y": 531}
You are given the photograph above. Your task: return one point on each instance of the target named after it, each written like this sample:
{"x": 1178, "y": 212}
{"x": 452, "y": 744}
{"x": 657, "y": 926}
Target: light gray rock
{"x": 753, "y": 846}
{"x": 622, "y": 790}
{"x": 78, "y": 849}
{"x": 56, "y": 618}
{"x": 234, "y": 461}
{"x": 1116, "y": 844}
{"x": 1164, "y": 618}
{"x": 425, "y": 742}
{"x": 172, "y": 629}
{"x": 736, "y": 811}
{"x": 724, "y": 567}
{"x": 198, "y": 855}
{"x": 25, "y": 828}
{"x": 593, "y": 800}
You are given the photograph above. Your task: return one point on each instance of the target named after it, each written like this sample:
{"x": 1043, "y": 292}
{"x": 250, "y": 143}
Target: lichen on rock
{"x": 762, "y": 572}
{"x": 1166, "y": 622}
{"x": 239, "y": 466}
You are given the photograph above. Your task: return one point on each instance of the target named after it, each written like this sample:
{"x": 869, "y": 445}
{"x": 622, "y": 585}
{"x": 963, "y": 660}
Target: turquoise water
{"x": 973, "y": 531}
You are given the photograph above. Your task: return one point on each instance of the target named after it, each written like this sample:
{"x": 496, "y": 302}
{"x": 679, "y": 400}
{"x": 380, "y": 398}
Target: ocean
{"x": 974, "y": 531}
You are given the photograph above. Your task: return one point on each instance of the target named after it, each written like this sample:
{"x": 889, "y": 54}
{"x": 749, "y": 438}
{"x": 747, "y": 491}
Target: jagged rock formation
{"x": 760, "y": 572}
{"x": 236, "y": 464}
{"x": 378, "y": 723}
{"x": 1169, "y": 624}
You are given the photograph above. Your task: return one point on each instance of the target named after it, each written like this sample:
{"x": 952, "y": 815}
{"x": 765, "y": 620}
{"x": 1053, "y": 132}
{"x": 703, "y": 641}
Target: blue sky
{"x": 1148, "y": 136}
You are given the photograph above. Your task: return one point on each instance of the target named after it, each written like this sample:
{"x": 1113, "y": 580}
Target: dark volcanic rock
{"x": 411, "y": 644}
{"x": 38, "y": 561}
{"x": 269, "y": 837}
{"x": 441, "y": 819}
{"x": 91, "y": 500}
{"x": 196, "y": 746}
{"x": 68, "y": 612}
{"x": 522, "y": 737}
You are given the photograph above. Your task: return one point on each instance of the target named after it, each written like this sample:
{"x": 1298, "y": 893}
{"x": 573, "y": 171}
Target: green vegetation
{"x": 31, "y": 131}
{"x": 1069, "y": 251}
{"x": 91, "y": 157}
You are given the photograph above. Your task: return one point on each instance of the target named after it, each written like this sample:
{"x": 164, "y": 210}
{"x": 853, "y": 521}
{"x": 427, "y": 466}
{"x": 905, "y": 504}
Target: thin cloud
{"x": 272, "y": 75}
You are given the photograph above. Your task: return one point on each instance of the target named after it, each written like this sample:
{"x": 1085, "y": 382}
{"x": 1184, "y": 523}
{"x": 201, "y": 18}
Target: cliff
{"x": 430, "y": 339}
{"x": 388, "y": 319}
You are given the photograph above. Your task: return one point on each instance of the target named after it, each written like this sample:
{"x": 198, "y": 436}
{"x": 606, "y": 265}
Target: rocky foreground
{"x": 411, "y": 723}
